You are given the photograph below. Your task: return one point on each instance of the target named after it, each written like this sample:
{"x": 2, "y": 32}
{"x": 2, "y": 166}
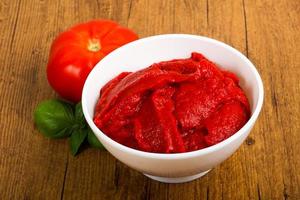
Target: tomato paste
{"x": 173, "y": 106}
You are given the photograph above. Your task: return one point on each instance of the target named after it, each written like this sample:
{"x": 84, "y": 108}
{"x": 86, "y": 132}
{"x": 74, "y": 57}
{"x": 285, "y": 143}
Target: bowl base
{"x": 177, "y": 180}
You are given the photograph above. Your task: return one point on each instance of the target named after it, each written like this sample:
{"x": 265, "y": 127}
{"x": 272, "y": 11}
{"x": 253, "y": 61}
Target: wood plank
{"x": 273, "y": 45}
{"x": 190, "y": 17}
{"x": 151, "y": 17}
{"x": 222, "y": 181}
{"x": 95, "y": 174}
{"x": 31, "y": 165}
{"x": 227, "y": 23}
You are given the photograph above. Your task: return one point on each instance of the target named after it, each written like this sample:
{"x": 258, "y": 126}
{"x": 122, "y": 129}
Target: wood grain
{"x": 267, "y": 166}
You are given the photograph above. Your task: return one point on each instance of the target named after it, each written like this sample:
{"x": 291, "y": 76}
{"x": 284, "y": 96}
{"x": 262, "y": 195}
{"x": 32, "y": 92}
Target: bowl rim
{"x": 184, "y": 155}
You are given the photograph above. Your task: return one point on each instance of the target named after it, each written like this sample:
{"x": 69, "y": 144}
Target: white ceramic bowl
{"x": 179, "y": 167}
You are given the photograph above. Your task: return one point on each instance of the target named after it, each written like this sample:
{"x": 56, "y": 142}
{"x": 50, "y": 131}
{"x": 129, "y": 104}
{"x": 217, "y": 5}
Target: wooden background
{"x": 267, "y": 166}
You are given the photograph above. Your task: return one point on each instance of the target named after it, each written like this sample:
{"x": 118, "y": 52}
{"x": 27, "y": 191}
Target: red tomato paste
{"x": 173, "y": 106}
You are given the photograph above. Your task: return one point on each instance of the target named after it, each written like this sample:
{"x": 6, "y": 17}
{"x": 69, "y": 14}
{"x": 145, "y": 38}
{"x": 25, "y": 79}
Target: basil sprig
{"x": 58, "y": 119}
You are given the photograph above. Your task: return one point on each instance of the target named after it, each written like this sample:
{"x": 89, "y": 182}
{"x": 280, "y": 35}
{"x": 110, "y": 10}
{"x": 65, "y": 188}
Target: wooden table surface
{"x": 267, "y": 166}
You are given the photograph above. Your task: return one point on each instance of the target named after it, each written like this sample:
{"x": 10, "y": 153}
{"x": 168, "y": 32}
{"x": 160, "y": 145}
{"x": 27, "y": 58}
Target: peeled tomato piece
{"x": 225, "y": 122}
{"x": 156, "y": 127}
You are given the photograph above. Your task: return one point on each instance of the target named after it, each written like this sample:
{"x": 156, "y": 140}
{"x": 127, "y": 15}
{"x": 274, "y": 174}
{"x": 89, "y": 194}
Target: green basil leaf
{"x": 54, "y": 118}
{"x": 79, "y": 115}
{"x": 65, "y": 132}
{"x": 93, "y": 140}
{"x": 78, "y": 111}
{"x": 76, "y": 140}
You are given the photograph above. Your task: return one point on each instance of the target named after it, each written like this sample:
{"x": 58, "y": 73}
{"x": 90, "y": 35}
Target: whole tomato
{"x": 76, "y": 51}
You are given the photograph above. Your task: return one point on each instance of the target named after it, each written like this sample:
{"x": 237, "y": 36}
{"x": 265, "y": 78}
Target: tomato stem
{"x": 94, "y": 45}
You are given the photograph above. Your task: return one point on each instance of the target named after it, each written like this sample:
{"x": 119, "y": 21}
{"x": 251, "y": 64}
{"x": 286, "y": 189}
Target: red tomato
{"x": 76, "y": 51}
